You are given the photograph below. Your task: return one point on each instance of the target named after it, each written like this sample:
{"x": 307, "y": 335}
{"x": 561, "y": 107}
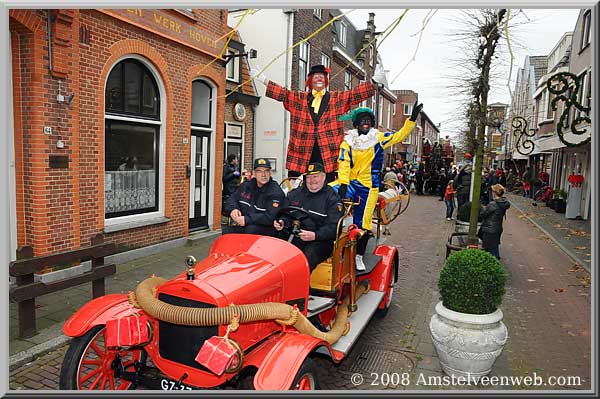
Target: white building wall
{"x": 269, "y": 32}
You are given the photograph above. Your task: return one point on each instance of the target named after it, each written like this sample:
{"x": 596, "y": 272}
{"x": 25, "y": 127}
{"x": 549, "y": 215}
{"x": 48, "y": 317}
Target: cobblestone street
{"x": 546, "y": 310}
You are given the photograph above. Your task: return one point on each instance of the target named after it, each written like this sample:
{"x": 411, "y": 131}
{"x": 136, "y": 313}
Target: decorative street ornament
{"x": 566, "y": 86}
{"x": 519, "y": 127}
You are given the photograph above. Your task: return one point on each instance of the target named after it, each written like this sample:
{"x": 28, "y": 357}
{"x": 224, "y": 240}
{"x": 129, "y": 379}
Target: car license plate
{"x": 168, "y": 385}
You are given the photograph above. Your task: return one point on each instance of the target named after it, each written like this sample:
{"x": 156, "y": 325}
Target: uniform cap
{"x": 314, "y": 168}
{"x": 262, "y": 163}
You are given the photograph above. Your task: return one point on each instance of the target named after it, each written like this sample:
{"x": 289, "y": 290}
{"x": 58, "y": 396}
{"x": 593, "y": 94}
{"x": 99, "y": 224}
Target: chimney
{"x": 371, "y": 23}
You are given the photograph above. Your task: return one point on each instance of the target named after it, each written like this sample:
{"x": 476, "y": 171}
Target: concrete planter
{"x": 72, "y": 271}
{"x": 467, "y": 344}
{"x": 463, "y": 227}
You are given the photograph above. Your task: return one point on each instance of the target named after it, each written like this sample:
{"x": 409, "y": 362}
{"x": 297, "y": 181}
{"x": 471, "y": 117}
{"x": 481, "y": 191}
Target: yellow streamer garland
{"x": 287, "y": 50}
{"x": 393, "y": 25}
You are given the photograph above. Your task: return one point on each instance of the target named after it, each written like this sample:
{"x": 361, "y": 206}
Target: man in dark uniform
{"x": 253, "y": 206}
{"x": 324, "y": 207}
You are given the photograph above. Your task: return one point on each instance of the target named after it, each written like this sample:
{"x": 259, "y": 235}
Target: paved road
{"x": 546, "y": 310}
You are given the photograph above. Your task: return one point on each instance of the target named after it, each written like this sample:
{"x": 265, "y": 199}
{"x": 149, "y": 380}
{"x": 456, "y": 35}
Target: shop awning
{"x": 516, "y": 155}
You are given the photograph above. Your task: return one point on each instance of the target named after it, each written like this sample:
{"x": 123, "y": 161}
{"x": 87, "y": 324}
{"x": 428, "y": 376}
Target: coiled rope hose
{"x": 145, "y": 298}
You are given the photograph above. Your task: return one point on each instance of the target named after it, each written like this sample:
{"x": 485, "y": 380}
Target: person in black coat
{"x": 325, "y": 209}
{"x": 491, "y": 224}
{"x": 231, "y": 178}
{"x": 254, "y": 205}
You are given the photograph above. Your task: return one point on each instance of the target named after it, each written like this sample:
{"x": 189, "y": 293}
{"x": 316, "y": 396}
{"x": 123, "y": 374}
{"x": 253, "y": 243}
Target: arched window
{"x": 132, "y": 137}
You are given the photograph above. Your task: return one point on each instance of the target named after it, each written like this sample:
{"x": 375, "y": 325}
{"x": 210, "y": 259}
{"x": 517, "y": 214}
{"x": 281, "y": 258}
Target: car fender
{"x": 281, "y": 364}
{"x": 97, "y": 311}
{"x": 379, "y": 276}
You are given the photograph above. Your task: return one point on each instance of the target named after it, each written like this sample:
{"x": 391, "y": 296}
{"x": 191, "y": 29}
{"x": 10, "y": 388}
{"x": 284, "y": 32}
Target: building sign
{"x": 171, "y": 26}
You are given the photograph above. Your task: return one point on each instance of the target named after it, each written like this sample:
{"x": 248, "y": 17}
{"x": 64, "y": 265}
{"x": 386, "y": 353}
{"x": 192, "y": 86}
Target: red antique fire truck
{"x": 247, "y": 315}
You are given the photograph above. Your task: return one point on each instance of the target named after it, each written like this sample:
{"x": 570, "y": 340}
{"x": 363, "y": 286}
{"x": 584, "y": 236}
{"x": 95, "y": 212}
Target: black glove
{"x": 415, "y": 111}
{"x": 342, "y": 190}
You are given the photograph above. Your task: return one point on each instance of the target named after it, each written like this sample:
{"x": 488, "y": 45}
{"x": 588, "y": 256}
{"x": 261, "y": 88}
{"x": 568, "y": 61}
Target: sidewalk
{"x": 572, "y": 236}
{"x": 52, "y": 310}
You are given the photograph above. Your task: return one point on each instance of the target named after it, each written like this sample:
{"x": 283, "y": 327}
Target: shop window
{"x": 407, "y": 109}
{"x": 132, "y": 141}
{"x": 131, "y": 91}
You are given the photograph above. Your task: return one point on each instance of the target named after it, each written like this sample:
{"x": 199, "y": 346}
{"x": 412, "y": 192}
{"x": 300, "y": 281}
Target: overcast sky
{"x": 536, "y": 33}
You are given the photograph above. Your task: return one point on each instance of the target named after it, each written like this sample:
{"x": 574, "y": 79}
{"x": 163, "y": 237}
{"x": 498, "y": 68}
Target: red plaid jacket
{"x": 329, "y": 131}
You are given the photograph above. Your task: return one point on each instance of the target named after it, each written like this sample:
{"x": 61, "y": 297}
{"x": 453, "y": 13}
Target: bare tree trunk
{"x": 489, "y": 36}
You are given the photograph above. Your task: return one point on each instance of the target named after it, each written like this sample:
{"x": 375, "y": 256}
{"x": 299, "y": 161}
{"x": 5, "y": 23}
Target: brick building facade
{"x": 107, "y": 105}
{"x": 409, "y": 149}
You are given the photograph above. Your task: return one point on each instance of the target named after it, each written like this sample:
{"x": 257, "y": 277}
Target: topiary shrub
{"x": 472, "y": 281}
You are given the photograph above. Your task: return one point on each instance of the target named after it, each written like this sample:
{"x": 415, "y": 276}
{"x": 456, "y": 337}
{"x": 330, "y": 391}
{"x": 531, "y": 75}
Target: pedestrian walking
{"x": 527, "y": 179}
{"x": 449, "y": 200}
{"x": 491, "y": 224}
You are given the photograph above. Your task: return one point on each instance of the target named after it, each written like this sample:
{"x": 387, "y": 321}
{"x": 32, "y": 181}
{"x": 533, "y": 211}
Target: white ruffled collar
{"x": 362, "y": 141}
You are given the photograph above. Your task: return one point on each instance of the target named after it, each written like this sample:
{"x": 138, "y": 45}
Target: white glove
{"x": 256, "y": 75}
{"x": 379, "y": 75}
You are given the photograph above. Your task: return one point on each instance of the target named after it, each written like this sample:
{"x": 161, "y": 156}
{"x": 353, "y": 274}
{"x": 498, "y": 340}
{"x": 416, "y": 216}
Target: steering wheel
{"x": 297, "y": 215}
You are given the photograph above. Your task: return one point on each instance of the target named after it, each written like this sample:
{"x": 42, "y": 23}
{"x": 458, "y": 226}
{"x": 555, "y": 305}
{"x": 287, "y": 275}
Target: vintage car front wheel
{"x": 306, "y": 379}
{"x": 89, "y": 365}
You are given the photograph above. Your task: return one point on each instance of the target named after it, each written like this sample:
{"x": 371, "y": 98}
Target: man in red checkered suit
{"x": 316, "y": 131}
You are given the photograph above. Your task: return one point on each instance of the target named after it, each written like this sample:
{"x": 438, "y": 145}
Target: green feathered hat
{"x": 355, "y": 114}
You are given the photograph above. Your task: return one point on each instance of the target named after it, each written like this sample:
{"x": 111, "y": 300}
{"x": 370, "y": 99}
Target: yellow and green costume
{"x": 359, "y": 164}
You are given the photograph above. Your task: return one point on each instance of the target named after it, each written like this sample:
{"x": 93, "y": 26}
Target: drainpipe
{"x": 288, "y": 82}
{"x": 49, "y": 41}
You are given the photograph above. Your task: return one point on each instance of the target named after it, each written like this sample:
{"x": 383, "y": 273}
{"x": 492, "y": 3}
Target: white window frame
{"x": 371, "y": 55}
{"x": 380, "y": 111}
{"x": 407, "y": 108}
{"x": 325, "y": 60}
{"x": 212, "y": 103}
{"x": 550, "y": 113}
{"x": 304, "y": 46}
{"x": 409, "y": 139}
{"x": 583, "y": 96}
{"x": 240, "y": 141}
{"x": 343, "y": 33}
{"x": 586, "y": 30}
{"x": 233, "y": 66}
{"x": 347, "y": 80}
{"x": 128, "y": 220}
{"x": 389, "y": 116}
{"x": 318, "y": 12}
{"x": 394, "y": 110}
